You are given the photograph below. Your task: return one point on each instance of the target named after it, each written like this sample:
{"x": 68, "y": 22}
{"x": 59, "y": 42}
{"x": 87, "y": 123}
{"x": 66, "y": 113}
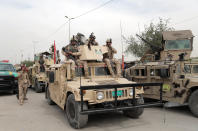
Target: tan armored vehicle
{"x": 100, "y": 93}
{"x": 37, "y": 74}
{"x": 172, "y": 66}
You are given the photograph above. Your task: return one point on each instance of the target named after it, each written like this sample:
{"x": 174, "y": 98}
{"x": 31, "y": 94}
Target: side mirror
{"x": 164, "y": 73}
{"x": 51, "y": 77}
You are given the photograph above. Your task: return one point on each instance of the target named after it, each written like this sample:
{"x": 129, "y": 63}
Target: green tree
{"x": 28, "y": 63}
{"x": 152, "y": 33}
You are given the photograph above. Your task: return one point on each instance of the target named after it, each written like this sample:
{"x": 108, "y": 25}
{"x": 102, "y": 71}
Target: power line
{"x": 186, "y": 20}
{"x": 100, "y": 6}
{"x": 60, "y": 27}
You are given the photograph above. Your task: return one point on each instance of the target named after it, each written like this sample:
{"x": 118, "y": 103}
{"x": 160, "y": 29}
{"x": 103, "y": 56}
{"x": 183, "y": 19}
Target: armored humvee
{"x": 37, "y": 75}
{"x": 172, "y": 66}
{"x": 100, "y": 93}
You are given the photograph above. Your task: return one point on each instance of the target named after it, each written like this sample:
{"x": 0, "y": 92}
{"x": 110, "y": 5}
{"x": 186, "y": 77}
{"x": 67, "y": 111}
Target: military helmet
{"x": 73, "y": 38}
{"x": 92, "y": 36}
{"x": 109, "y": 40}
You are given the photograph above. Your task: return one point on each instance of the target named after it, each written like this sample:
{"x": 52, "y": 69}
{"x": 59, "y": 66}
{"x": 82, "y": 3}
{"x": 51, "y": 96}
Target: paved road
{"x": 37, "y": 115}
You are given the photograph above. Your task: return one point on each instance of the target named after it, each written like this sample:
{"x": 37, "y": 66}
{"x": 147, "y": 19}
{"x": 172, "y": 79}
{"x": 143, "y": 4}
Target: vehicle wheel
{"x": 193, "y": 103}
{"x": 38, "y": 87}
{"x": 49, "y": 100}
{"x": 136, "y": 112}
{"x": 76, "y": 120}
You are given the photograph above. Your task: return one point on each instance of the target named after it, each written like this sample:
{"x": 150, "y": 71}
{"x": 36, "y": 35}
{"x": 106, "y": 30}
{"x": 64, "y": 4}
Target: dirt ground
{"x": 37, "y": 115}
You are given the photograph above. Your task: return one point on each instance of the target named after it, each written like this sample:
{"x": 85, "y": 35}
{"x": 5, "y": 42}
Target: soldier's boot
{"x": 21, "y": 101}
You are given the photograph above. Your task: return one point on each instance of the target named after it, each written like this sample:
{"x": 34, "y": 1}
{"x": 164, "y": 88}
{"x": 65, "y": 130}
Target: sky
{"x": 31, "y": 26}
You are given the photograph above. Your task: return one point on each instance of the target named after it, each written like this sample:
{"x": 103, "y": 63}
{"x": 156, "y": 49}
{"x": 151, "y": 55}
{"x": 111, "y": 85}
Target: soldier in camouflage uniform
{"x": 72, "y": 54}
{"x": 91, "y": 41}
{"x": 42, "y": 62}
{"x": 108, "y": 59}
{"x": 23, "y": 83}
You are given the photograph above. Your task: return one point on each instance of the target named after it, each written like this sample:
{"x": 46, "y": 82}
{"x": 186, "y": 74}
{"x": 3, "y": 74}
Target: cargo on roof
{"x": 175, "y": 35}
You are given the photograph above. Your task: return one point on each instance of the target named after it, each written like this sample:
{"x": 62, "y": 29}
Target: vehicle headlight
{"x": 131, "y": 92}
{"x": 100, "y": 95}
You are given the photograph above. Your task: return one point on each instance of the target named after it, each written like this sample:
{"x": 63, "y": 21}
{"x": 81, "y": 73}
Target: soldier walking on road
{"x": 108, "y": 59}
{"x": 72, "y": 54}
{"x": 23, "y": 83}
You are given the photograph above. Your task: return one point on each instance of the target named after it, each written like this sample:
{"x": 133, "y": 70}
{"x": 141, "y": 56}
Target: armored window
{"x": 187, "y": 69}
{"x": 177, "y": 44}
{"x": 80, "y": 71}
{"x": 143, "y": 72}
{"x": 195, "y": 69}
{"x": 101, "y": 71}
{"x": 178, "y": 69}
{"x": 136, "y": 72}
{"x": 152, "y": 73}
{"x": 157, "y": 72}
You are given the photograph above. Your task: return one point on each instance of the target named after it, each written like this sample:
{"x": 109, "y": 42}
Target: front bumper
{"x": 8, "y": 83}
{"x": 115, "y": 105}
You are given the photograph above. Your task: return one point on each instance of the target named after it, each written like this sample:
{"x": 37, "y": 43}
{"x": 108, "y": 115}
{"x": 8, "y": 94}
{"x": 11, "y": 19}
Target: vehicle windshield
{"x": 195, "y": 69}
{"x": 6, "y": 67}
{"x": 177, "y": 44}
{"x": 101, "y": 71}
{"x": 81, "y": 72}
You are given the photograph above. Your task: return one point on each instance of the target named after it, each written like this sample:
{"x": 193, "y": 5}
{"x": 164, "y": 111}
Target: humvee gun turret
{"x": 174, "y": 69}
{"x": 101, "y": 93}
{"x": 37, "y": 75}
{"x": 175, "y": 45}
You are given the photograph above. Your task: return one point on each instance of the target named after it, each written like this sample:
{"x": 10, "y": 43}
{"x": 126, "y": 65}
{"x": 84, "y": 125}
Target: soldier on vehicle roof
{"x": 108, "y": 59}
{"x": 91, "y": 41}
{"x": 23, "y": 83}
{"x": 72, "y": 55}
{"x": 41, "y": 62}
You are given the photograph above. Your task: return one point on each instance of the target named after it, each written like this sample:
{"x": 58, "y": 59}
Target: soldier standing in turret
{"x": 23, "y": 83}
{"x": 108, "y": 59}
{"x": 72, "y": 54}
{"x": 42, "y": 62}
{"x": 91, "y": 41}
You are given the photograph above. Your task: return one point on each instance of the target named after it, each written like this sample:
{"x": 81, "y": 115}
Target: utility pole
{"x": 69, "y": 20}
{"x": 122, "y": 46}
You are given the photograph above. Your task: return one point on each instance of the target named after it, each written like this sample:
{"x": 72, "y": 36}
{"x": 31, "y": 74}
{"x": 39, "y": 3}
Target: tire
{"x": 38, "y": 87}
{"x": 76, "y": 120}
{"x": 136, "y": 112}
{"x": 193, "y": 103}
{"x": 49, "y": 100}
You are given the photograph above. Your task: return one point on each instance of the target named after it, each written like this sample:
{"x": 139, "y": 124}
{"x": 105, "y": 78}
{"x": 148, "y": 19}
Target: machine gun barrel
{"x": 151, "y": 45}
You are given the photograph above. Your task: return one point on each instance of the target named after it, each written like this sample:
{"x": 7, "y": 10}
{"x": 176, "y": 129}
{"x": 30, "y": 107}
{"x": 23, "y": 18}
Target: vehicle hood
{"x": 101, "y": 81}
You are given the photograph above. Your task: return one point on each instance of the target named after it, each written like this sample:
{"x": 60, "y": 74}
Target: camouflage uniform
{"x": 108, "y": 59}
{"x": 91, "y": 41}
{"x": 23, "y": 83}
{"x": 42, "y": 62}
{"x": 74, "y": 58}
